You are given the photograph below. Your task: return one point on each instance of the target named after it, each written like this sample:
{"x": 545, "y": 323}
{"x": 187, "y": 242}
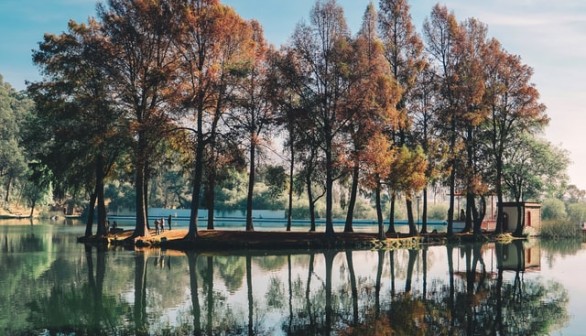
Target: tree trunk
{"x": 410, "y": 217}
{"x": 329, "y": 182}
{"x": 353, "y": 194}
{"x": 311, "y": 203}
{"x": 391, "y": 229}
{"x": 146, "y": 195}
{"x": 211, "y": 196}
{"x": 33, "y": 208}
{"x": 102, "y": 230}
{"x": 452, "y": 179}
{"x": 499, "y": 194}
{"x": 197, "y": 176}
{"x": 424, "y": 213}
{"x": 90, "y": 216}
{"x": 8, "y": 184}
{"x": 470, "y": 205}
{"x": 379, "y": 212}
{"x": 141, "y": 228}
{"x": 251, "y": 173}
{"x": 290, "y": 196}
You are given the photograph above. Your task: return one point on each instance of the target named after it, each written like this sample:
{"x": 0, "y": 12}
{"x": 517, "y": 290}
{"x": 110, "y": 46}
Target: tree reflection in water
{"x": 440, "y": 290}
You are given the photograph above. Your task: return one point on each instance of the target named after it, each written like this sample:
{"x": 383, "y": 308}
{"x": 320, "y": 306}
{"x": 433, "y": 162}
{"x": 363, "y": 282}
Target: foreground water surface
{"x": 50, "y": 285}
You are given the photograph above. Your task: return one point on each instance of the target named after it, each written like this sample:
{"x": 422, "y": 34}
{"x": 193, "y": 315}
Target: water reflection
{"x": 471, "y": 289}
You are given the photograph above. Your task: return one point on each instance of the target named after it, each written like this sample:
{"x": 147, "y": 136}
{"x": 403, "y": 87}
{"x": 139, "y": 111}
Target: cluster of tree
{"x": 21, "y": 179}
{"x": 149, "y": 83}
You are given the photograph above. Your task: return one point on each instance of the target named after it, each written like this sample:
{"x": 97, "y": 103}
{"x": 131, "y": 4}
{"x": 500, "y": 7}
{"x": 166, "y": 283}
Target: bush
{"x": 577, "y": 213}
{"x": 556, "y": 229}
{"x": 438, "y": 211}
{"x": 553, "y": 209}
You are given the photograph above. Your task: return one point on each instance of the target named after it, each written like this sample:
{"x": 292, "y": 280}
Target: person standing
{"x": 169, "y": 221}
{"x": 162, "y": 221}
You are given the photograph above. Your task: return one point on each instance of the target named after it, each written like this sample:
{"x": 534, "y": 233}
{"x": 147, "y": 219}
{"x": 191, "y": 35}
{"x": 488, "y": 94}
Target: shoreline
{"x": 223, "y": 240}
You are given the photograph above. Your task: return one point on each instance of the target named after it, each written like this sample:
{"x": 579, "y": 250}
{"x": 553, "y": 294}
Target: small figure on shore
{"x": 162, "y": 221}
{"x": 169, "y": 222}
{"x": 157, "y": 231}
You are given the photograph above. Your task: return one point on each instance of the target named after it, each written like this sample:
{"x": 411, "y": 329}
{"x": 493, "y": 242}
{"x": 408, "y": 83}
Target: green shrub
{"x": 437, "y": 211}
{"x": 577, "y": 213}
{"x": 556, "y": 229}
{"x": 553, "y": 209}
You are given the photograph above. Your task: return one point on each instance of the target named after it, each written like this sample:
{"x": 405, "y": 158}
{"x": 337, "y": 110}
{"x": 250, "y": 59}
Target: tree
{"x": 15, "y": 108}
{"x": 81, "y": 130}
{"x": 253, "y": 114}
{"x": 529, "y": 165}
{"x": 514, "y": 109}
{"x": 426, "y": 132}
{"x": 209, "y": 44}
{"x": 289, "y": 111}
{"x": 407, "y": 175}
{"x": 380, "y": 155}
{"x": 371, "y": 108}
{"x": 143, "y": 70}
{"x": 222, "y": 145}
{"x": 470, "y": 69}
{"x": 442, "y": 32}
{"x": 404, "y": 53}
{"x": 323, "y": 51}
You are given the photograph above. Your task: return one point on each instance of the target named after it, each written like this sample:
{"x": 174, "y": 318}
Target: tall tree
{"x": 253, "y": 114}
{"x": 514, "y": 106}
{"x": 442, "y": 33}
{"x": 404, "y": 52}
{"x": 289, "y": 111}
{"x": 371, "y": 106}
{"x": 143, "y": 68}
{"x": 471, "y": 51}
{"x": 233, "y": 57}
{"x": 530, "y": 163}
{"x": 75, "y": 107}
{"x": 323, "y": 50}
{"x": 210, "y": 40}
{"x": 15, "y": 109}
{"x": 380, "y": 156}
{"x": 426, "y": 131}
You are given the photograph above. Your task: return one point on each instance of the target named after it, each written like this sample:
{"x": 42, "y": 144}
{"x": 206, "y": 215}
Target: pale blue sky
{"x": 550, "y": 36}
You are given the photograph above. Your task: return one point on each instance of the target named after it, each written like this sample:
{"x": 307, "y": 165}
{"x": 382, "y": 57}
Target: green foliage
{"x": 553, "y": 209}
{"x": 120, "y": 195}
{"x": 556, "y": 229}
{"x": 576, "y": 213}
{"x": 14, "y": 110}
{"x": 437, "y": 211}
{"x": 276, "y": 179}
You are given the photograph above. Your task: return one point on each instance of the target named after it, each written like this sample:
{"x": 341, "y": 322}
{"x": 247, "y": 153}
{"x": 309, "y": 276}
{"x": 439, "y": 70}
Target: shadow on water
{"x": 466, "y": 289}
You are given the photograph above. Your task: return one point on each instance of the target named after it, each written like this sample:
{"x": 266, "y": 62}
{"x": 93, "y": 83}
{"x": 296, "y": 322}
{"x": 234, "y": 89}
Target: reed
{"x": 560, "y": 229}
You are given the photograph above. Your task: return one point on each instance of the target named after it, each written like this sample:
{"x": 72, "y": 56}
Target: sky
{"x": 550, "y": 36}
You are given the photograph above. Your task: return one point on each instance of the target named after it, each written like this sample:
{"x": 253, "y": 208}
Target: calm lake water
{"x": 51, "y": 285}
